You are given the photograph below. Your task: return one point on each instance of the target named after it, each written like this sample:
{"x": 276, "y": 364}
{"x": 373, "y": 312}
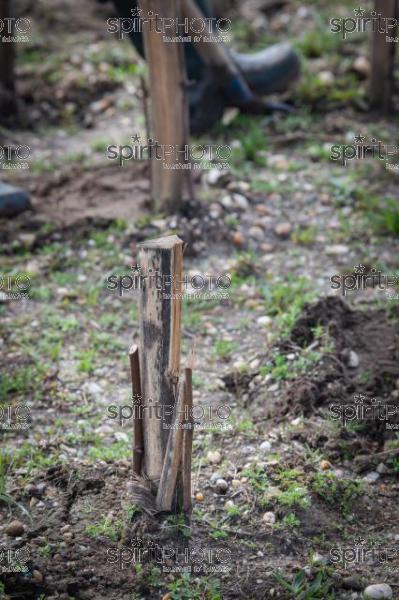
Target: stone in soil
{"x": 222, "y": 486}
{"x": 378, "y": 591}
{"x": 15, "y": 529}
{"x": 283, "y": 229}
{"x": 269, "y": 518}
{"x": 214, "y": 457}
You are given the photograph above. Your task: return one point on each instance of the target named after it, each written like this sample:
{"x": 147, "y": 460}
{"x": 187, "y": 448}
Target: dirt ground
{"x": 291, "y": 499}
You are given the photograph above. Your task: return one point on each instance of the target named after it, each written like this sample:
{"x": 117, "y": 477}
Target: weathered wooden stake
{"x": 138, "y": 447}
{"x": 173, "y": 455}
{"x": 161, "y": 262}
{"x": 382, "y": 60}
{"x": 8, "y": 105}
{"x": 169, "y": 125}
{"x": 187, "y": 441}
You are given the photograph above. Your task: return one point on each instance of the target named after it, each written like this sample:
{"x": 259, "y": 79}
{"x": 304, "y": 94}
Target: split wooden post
{"x": 382, "y": 59}
{"x": 8, "y": 105}
{"x": 161, "y": 262}
{"x": 187, "y": 439}
{"x": 138, "y": 447}
{"x": 169, "y": 124}
{"x": 173, "y": 455}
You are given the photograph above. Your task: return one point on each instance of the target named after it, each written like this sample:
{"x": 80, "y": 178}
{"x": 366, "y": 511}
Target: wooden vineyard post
{"x": 163, "y": 423}
{"x": 168, "y": 111}
{"x": 382, "y": 60}
{"x": 8, "y": 104}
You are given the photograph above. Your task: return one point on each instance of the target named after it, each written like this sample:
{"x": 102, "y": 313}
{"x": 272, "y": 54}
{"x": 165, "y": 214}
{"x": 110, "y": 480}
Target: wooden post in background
{"x": 382, "y": 59}
{"x": 168, "y": 111}
{"x": 8, "y": 105}
{"x": 161, "y": 262}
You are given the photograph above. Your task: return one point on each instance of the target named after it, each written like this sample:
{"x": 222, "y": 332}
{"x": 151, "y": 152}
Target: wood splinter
{"x": 138, "y": 447}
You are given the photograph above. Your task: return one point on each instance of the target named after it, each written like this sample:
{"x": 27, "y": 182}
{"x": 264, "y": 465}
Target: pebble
{"x": 227, "y": 202}
{"x": 362, "y": 66}
{"x": 92, "y": 388}
{"x": 265, "y": 446}
{"x": 229, "y": 504}
{"x": 371, "y": 477}
{"x": 239, "y": 365}
{"x": 240, "y": 202}
{"x": 121, "y": 436}
{"x": 325, "y": 465}
{"x": 353, "y": 360}
{"x": 337, "y": 249}
{"x": 31, "y": 489}
{"x": 214, "y": 457}
{"x": 104, "y": 429}
{"x": 261, "y": 209}
{"x": 37, "y": 576}
{"x": 265, "y": 321}
{"x": 236, "y": 483}
{"x": 215, "y": 477}
{"x": 381, "y": 469}
{"x": 15, "y": 529}
{"x": 27, "y": 239}
{"x": 326, "y": 77}
{"x": 378, "y": 591}
{"x": 319, "y": 559}
{"x": 222, "y": 486}
{"x": 267, "y": 248}
{"x": 214, "y": 176}
{"x": 283, "y": 229}
{"x": 256, "y": 233}
{"x": 238, "y": 239}
{"x": 239, "y": 186}
{"x": 269, "y": 517}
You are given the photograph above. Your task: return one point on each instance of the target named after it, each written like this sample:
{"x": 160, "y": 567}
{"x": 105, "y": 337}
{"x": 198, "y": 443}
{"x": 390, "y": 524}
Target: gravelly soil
{"x": 278, "y": 352}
